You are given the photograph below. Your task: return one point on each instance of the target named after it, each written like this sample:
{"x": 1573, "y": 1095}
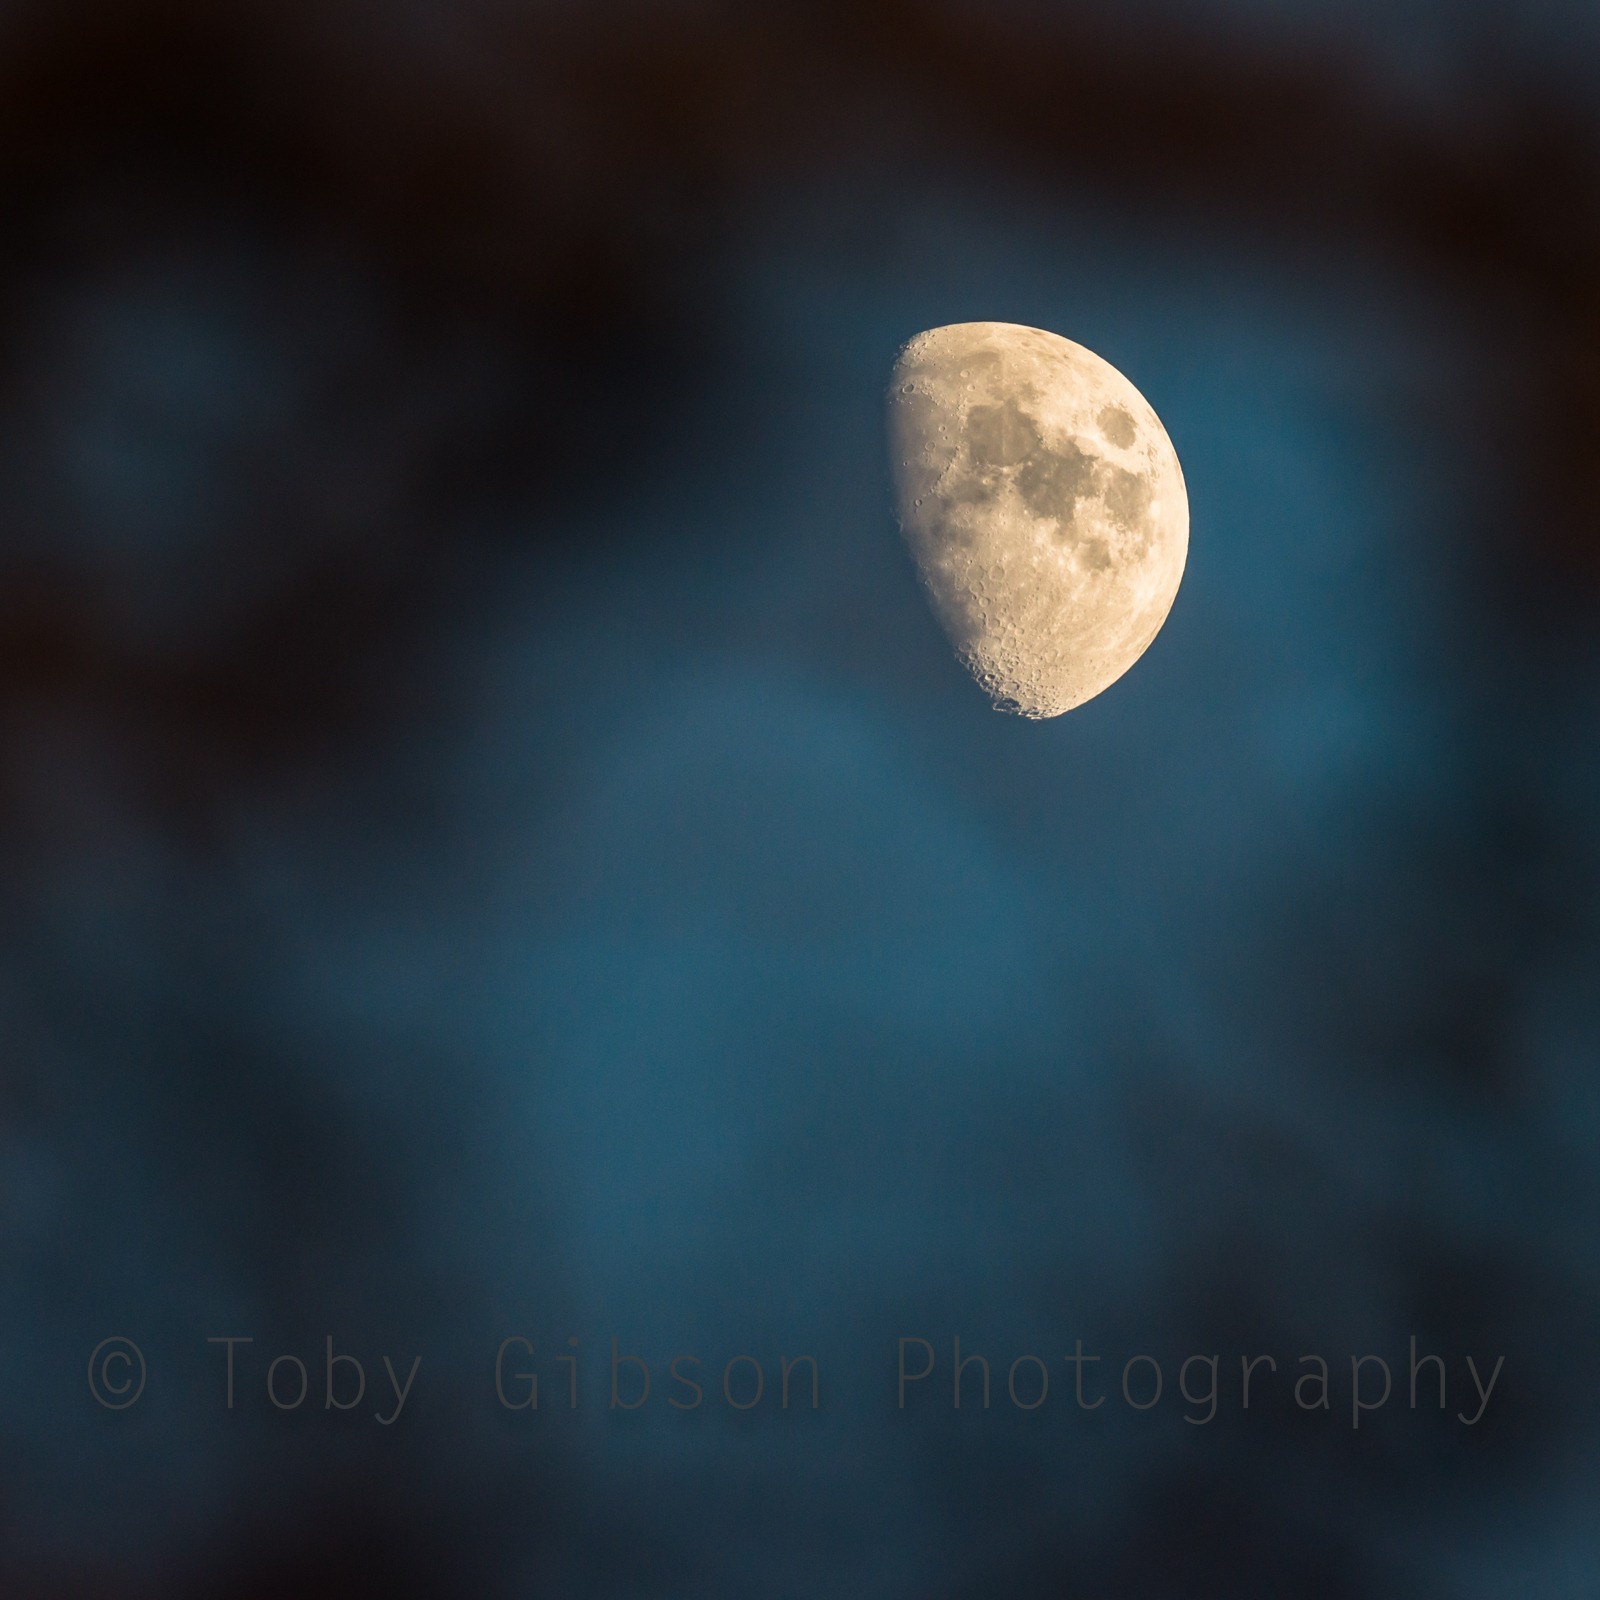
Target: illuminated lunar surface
{"x": 1044, "y": 504}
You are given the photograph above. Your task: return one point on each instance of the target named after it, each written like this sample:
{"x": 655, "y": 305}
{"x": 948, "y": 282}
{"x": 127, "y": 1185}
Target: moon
{"x": 1044, "y": 505}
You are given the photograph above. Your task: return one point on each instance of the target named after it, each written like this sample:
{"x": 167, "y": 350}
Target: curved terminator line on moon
{"x": 1044, "y": 504}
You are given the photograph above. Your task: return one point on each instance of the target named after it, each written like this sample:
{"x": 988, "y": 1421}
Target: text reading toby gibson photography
{"x": 926, "y": 1375}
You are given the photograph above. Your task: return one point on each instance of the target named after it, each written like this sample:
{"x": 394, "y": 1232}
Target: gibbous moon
{"x": 1044, "y": 504}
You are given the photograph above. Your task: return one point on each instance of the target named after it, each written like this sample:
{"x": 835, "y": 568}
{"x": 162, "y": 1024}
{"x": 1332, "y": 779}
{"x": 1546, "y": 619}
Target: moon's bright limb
{"x": 1044, "y": 504}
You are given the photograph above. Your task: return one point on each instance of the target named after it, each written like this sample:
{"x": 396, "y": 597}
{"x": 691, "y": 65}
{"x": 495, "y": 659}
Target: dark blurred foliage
{"x": 489, "y": 838}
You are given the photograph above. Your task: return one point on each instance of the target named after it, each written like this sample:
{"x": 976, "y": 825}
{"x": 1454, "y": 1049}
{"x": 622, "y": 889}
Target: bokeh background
{"x": 492, "y": 840}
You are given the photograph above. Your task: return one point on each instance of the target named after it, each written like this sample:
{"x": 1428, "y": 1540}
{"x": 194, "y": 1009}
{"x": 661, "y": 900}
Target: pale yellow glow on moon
{"x": 1044, "y": 504}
